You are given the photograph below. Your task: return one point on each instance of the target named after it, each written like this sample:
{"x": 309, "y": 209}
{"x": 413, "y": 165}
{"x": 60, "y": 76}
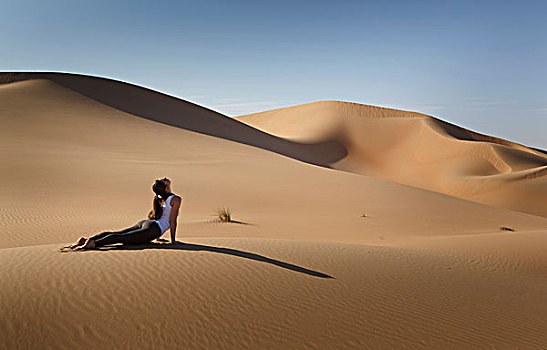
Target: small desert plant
{"x": 224, "y": 214}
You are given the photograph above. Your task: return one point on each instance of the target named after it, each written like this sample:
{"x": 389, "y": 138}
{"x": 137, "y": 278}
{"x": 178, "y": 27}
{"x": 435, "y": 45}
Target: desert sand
{"x": 358, "y": 227}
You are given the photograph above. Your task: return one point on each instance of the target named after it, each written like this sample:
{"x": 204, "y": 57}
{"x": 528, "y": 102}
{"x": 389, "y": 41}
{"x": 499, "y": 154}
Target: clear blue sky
{"x": 479, "y": 64}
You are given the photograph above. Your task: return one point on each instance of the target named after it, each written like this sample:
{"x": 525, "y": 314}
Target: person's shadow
{"x": 220, "y": 250}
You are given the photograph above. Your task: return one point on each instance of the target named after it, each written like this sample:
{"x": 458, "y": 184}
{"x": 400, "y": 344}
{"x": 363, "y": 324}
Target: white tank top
{"x": 163, "y": 222}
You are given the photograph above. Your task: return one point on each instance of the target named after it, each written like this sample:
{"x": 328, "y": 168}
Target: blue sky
{"x": 478, "y": 64}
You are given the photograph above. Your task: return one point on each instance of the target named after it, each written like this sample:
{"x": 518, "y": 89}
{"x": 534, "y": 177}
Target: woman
{"x": 164, "y": 213}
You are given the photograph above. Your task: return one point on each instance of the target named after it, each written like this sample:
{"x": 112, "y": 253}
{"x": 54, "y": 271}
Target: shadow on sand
{"x": 220, "y": 250}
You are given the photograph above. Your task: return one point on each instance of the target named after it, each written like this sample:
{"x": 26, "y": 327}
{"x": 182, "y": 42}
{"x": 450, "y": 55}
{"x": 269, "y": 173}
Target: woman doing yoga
{"x": 164, "y": 213}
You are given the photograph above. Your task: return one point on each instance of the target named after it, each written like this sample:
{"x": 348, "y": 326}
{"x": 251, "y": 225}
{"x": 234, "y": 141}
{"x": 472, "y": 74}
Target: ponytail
{"x": 157, "y": 209}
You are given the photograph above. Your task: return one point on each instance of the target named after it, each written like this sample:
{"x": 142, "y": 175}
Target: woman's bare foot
{"x": 80, "y": 241}
{"x": 89, "y": 244}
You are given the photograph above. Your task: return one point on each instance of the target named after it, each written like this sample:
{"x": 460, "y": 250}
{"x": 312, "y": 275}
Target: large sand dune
{"x": 418, "y": 150}
{"x": 303, "y": 269}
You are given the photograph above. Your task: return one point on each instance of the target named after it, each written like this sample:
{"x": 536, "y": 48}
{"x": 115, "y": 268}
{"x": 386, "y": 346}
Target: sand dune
{"x": 304, "y": 268}
{"x": 418, "y": 150}
{"x": 166, "y": 109}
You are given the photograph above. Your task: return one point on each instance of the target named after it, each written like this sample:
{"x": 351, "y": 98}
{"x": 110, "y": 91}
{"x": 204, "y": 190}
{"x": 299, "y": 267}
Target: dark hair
{"x": 159, "y": 189}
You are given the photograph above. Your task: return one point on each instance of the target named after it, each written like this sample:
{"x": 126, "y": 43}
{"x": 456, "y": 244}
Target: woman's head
{"x": 162, "y": 189}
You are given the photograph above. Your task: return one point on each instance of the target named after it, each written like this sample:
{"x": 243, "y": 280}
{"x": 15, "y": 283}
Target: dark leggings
{"x": 142, "y": 232}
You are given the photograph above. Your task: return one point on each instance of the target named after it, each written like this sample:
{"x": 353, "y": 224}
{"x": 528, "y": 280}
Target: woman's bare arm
{"x": 175, "y": 205}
